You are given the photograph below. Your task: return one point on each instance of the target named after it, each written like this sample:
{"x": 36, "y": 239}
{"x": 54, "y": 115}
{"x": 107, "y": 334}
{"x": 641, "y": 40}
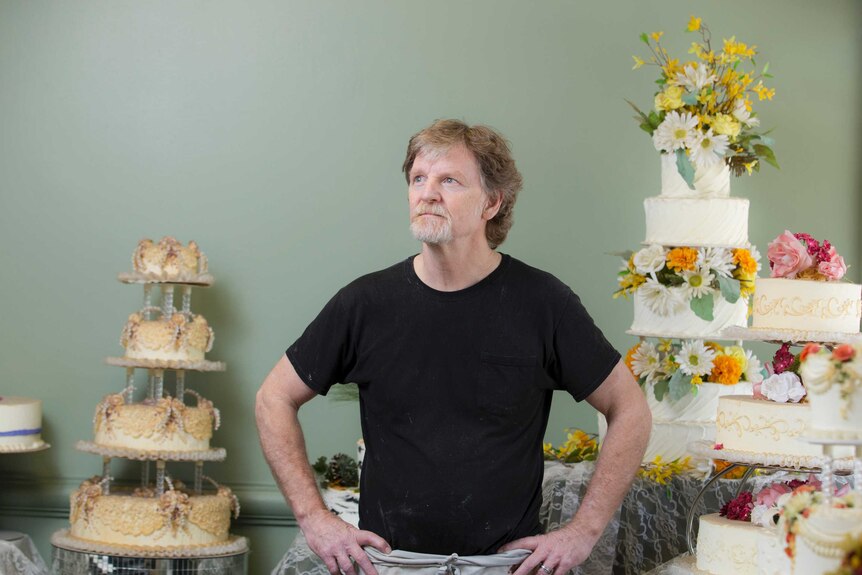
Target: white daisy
{"x": 753, "y": 368}
{"x": 660, "y": 299}
{"x": 697, "y": 283}
{"x": 707, "y": 149}
{"x": 695, "y": 79}
{"x": 741, "y": 113}
{"x": 694, "y": 358}
{"x": 673, "y": 133}
{"x": 646, "y": 361}
{"x": 719, "y": 260}
{"x": 650, "y": 259}
{"x": 755, "y": 253}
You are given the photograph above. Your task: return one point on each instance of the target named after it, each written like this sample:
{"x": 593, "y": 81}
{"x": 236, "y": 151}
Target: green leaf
{"x": 702, "y": 307}
{"x": 766, "y": 68}
{"x": 644, "y": 38}
{"x": 661, "y": 388}
{"x": 689, "y": 99}
{"x": 642, "y": 381}
{"x": 638, "y": 110}
{"x": 647, "y": 128}
{"x": 766, "y": 153}
{"x": 768, "y": 76}
{"x": 656, "y": 119}
{"x": 686, "y": 170}
{"x": 767, "y": 141}
{"x": 661, "y": 81}
{"x": 729, "y": 288}
{"x": 679, "y": 385}
{"x": 736, "y": 65}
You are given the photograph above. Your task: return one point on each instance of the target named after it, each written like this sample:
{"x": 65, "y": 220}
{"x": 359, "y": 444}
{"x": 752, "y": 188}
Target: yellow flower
{"x": 665, "y": 345}
{"x": 670, "y": 98}
{"x": 629, "y": 283}
{"x": 725, "y": 124}
{"x": 696, "y": 379}
{"x": 697, "y": 50}
{"x": 725, "y": 370}
{"x": 694, "y": 24}
{"x": 749, "y": 167}
{"x": 656, "y": 36}
{"x": 638, "y": 63}
{"x": 737, "y": 353}
{"x": 681, "y": 259}
{"x": 548, "y": 449}
{"x": 714, "y": 346}
{"x": 764, "y": 93}
{"x": 744, "y": 262}
{"x": 671, "y": 69}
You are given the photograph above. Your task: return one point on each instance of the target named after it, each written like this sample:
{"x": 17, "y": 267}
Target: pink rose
{"x": 788, "y": 255}
{"x": 835, "y": 268}
{"x": 755, "y": 388}
{"x": 769, "y": 495}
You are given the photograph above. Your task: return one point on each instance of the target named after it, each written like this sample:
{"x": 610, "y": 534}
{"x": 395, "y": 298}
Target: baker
{"x": 456, "y": 352}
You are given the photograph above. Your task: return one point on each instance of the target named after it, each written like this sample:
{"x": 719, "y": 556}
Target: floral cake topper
{"x": 703, "y": 108}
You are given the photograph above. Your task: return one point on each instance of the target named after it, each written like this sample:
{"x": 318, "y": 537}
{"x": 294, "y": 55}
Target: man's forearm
{"x": 618, "y": 462}
{"x": 283, "y": 446}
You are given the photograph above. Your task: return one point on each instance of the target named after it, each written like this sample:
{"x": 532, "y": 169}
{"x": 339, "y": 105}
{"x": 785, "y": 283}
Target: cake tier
{"x": 686, "y": 324}
{"x": 697, "y": 222}
{"x": 822, "y": 536}
{"x": 169, "y": 260}
{"x": 765, "y": 427}
{"x": 166, "y": 425}
{"x": 176, "y": 519}
{"x": 178, "y": 338}
{"x": 807, "y": 305}
{"x": 730, "y": 547}
{"x": 833, "y": 416}
{"x": 20, "y": 422}
{"x": 712, "y": 182}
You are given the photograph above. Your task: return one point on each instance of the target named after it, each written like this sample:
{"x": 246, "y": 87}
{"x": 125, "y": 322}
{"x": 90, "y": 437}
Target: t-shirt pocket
{"x": 507, "y": 383}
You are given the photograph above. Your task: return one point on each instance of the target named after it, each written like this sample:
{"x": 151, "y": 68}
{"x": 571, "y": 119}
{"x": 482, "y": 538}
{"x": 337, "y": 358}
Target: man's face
{"x": 446, "y": 198}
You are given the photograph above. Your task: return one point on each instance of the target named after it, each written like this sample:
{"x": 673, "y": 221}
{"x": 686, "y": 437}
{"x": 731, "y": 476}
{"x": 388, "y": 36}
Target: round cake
{"x": 685, "y": 324}
{"x": 164, "y": 425}
{"x": 20, "y": 423}
{"x": 182, "y": 337}
{"x": 816, "y": 533}
{"x": 141, "y": 519}
{"x": 834, "y": 383}
{"x": 806, "y": 305}
{"x": 169, "y": 260}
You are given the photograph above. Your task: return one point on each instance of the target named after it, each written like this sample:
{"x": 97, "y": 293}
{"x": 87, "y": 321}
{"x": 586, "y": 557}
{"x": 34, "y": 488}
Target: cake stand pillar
{"x": 158, "y": 384}
{"x": 148, "y": 301}
{"x": 167, "y": 301}
{"x": 199, "y": 475}
{"x": 187, "y": 299}
{"x": 145, "y": 474}
{"x": 181, "y": 385}
{"x": 106, "y": 476}
{"x": 130, "y": 383}
{"x": 828, "y": 479}
{"x": 160, "y": 477}
{"x": 857, "y": 470}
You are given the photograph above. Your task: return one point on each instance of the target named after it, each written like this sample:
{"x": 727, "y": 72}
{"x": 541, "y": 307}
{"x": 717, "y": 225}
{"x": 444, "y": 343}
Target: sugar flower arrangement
{"x": 662, "y": 472}
{"x": 821, "y": 368}
{"x": 782, "y": 383}
{"x": 579, "y": 446}
{"x": 762, "y": 508}
{"x": 703, "y": 109}
{"x": 797, "y": 505}
{"x": 801, "y": 256}
{"x": 672, "y": 279}
{"x": 676, "y": 369}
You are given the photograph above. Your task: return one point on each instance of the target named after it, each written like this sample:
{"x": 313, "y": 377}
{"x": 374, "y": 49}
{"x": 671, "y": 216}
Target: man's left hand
{"x": 553, "y": 553}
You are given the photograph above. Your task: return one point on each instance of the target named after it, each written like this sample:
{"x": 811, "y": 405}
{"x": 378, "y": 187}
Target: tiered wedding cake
{"x": 161, "y": 518}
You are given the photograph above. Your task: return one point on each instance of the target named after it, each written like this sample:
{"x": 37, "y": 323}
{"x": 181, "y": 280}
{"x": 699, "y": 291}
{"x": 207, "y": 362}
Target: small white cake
{"x": 20, "y": 423}
{"x": 806, "y": 305}
{"x": 834, "y": 383}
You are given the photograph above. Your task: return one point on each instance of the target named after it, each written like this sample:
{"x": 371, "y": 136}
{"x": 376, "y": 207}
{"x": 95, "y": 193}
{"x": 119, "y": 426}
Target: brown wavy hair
{"x": 499, "y": 176}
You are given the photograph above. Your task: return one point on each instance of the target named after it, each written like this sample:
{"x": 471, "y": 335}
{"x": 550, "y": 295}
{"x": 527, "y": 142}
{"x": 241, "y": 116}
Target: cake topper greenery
{"x": 341, "y": 471}
{"x": 703, "y": 107}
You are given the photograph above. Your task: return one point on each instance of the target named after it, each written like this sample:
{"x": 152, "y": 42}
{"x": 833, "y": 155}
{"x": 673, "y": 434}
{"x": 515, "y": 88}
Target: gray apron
{"x": 409, "y": 563}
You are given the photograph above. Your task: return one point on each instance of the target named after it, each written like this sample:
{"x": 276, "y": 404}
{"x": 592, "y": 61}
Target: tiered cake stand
{"x": 74, "y": 556}
{"x": 826, "y": 465}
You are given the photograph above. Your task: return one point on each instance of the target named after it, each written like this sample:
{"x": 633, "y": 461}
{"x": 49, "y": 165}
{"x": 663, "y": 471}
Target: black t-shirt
{"x": 454, "y": 394}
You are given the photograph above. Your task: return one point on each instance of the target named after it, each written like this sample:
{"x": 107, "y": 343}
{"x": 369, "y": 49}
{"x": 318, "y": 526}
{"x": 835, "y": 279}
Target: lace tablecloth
{"x": 647, "y": 531}
{"x": 18, "y": 555}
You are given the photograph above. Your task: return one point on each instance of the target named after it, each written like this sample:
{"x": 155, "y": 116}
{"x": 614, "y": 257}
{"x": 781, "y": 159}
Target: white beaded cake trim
{"x": 203, "y": 365}
{"x": 706, "y": 449}
{"x": 212, "y": 454}
{"x": 788, "y": 335}
{"x": 233, "y": 546}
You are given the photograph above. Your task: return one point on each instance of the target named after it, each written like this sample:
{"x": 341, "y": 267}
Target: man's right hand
{"x": 337, "y": 543}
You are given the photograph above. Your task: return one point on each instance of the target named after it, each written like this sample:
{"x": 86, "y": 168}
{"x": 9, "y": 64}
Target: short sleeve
{"x": 324, "y": 354}
{"x": 584, "y": 357}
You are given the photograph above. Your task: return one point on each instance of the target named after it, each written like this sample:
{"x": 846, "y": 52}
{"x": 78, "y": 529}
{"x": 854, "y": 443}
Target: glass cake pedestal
{"x": 69, "y": 562}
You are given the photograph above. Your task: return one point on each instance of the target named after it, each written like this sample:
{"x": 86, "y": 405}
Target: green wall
{"x": 272, "y": 134}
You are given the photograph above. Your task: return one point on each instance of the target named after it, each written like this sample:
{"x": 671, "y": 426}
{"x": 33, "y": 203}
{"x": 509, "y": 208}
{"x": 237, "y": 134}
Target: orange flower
{"x": 725, "y": 370}
{"x": 809, "y": 348}
{"x": 630, "y": 358}
{"x": 721, "y": 464}
{"x": 743, "y": 259}
{"x": 843, "y": 352}
{"x": 682, "y": 259}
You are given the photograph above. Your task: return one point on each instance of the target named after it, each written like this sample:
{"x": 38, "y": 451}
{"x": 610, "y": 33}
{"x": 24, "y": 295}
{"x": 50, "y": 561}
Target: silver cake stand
{"x": 69, "y": 562}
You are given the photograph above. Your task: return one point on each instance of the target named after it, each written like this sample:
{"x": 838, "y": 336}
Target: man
{"x": 456, "y": 352}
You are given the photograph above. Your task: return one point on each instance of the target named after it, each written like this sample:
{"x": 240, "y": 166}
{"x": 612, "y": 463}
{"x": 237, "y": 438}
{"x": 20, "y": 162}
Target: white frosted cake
{"x": 684, "y": 323}
{"x": 182, "y": 337}
{"x": 730, "y": 547}
{"x": 20, "y": 423}
{"x": 168, "y": 260}
{"x": 807, "y": 305}
{"x": 834, "y": 383}
{"x": 164, "y": 425}
{"x": 140, "y": 519}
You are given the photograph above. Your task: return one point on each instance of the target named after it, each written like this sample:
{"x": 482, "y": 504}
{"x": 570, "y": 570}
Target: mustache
{"x": 433, "y": 209}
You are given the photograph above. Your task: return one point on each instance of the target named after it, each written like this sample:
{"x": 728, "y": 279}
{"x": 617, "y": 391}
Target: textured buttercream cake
{"x": 20, "y": 422}
{"x": 182, "y": 337}
{"x": 169, "y": 260}
{"x": 142, "y": 519}
{"x": 164, "y": 425}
